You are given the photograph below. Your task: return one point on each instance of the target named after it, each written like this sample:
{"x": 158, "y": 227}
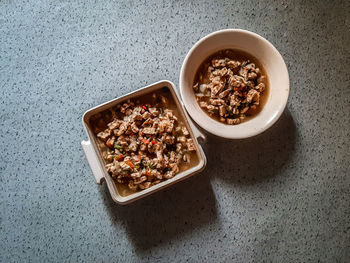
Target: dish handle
{"x": 196, "y": 132}
{"x": 201, "y": 138}
{"x": 93, "y": 161}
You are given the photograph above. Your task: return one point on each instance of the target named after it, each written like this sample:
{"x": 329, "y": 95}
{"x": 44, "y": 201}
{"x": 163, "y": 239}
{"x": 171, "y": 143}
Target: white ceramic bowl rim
{"x": 267, "y": 55}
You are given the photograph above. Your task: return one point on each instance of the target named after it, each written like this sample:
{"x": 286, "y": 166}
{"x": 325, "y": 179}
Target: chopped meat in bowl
{"x": 144, "y": 142}
{"x": 231, "y": 86}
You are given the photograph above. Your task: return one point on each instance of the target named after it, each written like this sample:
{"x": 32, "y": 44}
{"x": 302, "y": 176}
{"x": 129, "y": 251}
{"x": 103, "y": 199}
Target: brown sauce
{"x": 202, "y": 77}
{"x": 99, "y": 121}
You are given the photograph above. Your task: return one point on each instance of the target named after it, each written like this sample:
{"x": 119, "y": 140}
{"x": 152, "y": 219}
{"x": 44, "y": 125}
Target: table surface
{"x": 280, "y": 196}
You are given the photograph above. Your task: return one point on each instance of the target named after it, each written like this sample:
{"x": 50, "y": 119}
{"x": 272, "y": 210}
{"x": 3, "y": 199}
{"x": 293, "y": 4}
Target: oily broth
{"x": 99, "y": 121}
{"x": 239, "y": 55}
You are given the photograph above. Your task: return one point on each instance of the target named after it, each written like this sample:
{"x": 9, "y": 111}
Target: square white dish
{"x": 96, "y": 162}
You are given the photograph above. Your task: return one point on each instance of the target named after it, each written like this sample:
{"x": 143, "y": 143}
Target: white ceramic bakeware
{"x": 97, "y": 164}
{"x": 267, "y": 55}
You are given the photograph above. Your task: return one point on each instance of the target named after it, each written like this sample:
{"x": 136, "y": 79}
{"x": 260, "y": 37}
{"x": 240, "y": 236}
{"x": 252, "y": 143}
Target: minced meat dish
{"x": 145, "y": 144}
{"x": 229, "y": 86}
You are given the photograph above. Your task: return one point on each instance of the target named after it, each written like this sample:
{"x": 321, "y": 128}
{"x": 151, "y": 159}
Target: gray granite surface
{"x": 283, "y": 196}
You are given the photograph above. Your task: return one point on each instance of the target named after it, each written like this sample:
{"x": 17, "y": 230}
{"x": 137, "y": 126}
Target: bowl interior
{"x": 116, "y": 195}
{"x": 270, "y": 59}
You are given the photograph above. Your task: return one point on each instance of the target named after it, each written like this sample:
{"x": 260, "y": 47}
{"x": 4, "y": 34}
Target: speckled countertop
{"x": 283, "y": 196}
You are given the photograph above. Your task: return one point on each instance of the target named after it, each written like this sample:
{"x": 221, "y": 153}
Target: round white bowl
{"x": 270, "y": 59}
